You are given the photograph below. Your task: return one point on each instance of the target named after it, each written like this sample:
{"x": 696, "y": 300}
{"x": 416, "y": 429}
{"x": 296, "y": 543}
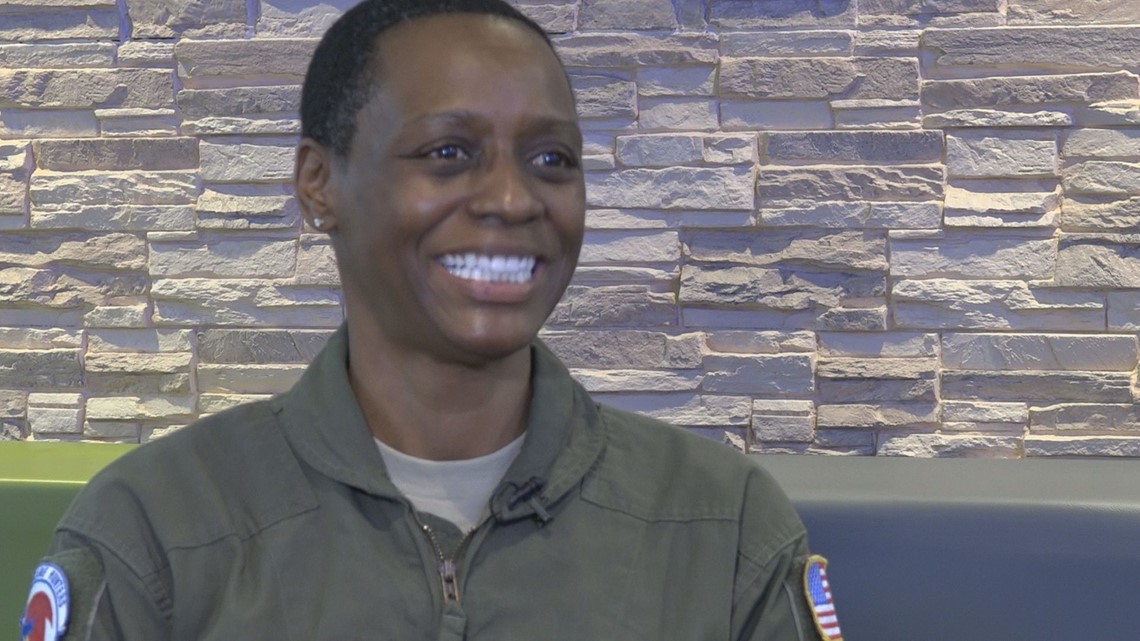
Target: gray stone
{"x": 1099, "y": 260}
{"x": 868, "y": 319}
{"x": 34, "y": 123}
{"x": 633, "y": 246}
{"x": 1039, "y": 352}
{"x": 730, "y": 149}
{"x": 168, "y": 18}
{"x": 786, "y": 289}
{"x": 944, "y": 95}
{"x": 996, "y": 118}
{"x": 134, "y": 123}
{"x": 248, "y": 379}
{"x": 750, "y": 14}
{"x": 637, "y": 380}
{"x": 791, "y": 184}
{"x": 987, "y": 155}
{"x": 99, "y": 21}
{"x": 114, "y": 431}
{"x": 57, "y": 55}
{"x": 316, "y": 261}
{"x": 876, "y": 114}
{"x": 132, "y": 384}
{"x": 137, "y": 363}
{"x": 878, "y": 368}
{"x": 1007, "y": 305}
{"x": 193, "y": 301}
{"x": 137, "y": 218}
{"x": 1048, "y": 445}
{"x": 878, "y": 415}
{"x": 139, "y": 340}
{"x": 117, "y": 154}
{"x": 86, "y": 88}
{"x": 629, "y": 50}
{"x": 855, "y": 146}
{"x": 246, "y": 163}
{"x": 986, "y": 256}
{"x": 870, "y": 391}
{"x": 673, "y": 188}
{"x": 689, "y": 114}
{"x": 282, "y": 125}
{"x": 1069, "y": 11}
{"x": 615, "y": 306}
{"x": 871, "y": 42}
{"x": 283, "y": 58}
{"x": 1039, "y": 387}
{"x": 1123, "y": 311}
{"x": 1102, "y": 418}
{"x": 224, "y": 258}
{"x": 806, "y": 78}
{"x": 775, "y": 114}
{"x": 113, "y": 188}
{"x": 13, "y": 403}
{"x": 758, "y": 374}
{"x": 223, "y": 210}
{"x": 553, "y": 18}
{"x": 139, "y": 408}
{"x": 1102, "y": 143}
{"x": 816, "y": 248}
{"x": 113, "y": 251}
{"x": 605, "y": 95}
{"x": 259, "y": 346}
{"x": 1074, "y": 47}
{"x": 214, "y": 403}
{"x": 746, "y": 342}
{"x": 67, "y": 287}
{"x": 239, "y": 101}
{"x": 118, "y": 316}
{"x": 43, "y": 420}
{"x": 1108, "y": 113}
{"x": 684, "y": 408}
{"x": 40, "y": 369}
{"x": 985, "y": 412}
{"x": 785, "y": 44}
{"x": 298, "y": 18}
{"x": 31, "y": 338}
{"x": 1006, "y": 204}
{"x": 878, "y": 344}
{"x": 950, "y": 445}
{"x": 145, "y": 54}
{"x": 624, "y": 349}
{"x": 854, "y": 380}
{"x": 1111, "y": 178}
{"x": 626, "y": 14}
{"x": 676, "y": 81}
{"x": 783, "y": 421}
{"x": 844, "y": 441}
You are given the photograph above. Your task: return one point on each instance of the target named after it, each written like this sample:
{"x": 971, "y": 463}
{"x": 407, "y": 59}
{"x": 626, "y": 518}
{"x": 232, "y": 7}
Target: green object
{"x": 37, "y": 483}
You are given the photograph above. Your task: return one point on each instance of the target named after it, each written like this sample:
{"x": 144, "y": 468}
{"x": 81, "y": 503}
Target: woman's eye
{"x": 447, "y": 152}
{"x": 556, "y": 159}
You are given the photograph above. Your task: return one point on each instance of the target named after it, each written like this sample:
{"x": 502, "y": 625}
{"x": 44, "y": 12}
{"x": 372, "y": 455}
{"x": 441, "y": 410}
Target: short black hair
{"x": 338, "y": 82}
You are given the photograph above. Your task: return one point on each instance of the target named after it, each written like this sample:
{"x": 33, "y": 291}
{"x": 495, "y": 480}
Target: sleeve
{"x": 106, "y": 600}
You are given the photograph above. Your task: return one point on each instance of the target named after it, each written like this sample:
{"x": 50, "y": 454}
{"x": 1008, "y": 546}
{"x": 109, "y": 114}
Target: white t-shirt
{"x": 458, "y": 491}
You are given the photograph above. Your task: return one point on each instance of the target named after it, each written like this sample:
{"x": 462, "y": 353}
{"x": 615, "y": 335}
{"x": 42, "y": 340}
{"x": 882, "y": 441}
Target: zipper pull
{"x": 448, "y": 575}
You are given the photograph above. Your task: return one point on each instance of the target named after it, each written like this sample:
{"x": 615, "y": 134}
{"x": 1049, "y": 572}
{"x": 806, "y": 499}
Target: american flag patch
{"x": 818, "y": 593}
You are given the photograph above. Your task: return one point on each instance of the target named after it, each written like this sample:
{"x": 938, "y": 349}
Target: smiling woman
{"x": 437, "y": 473}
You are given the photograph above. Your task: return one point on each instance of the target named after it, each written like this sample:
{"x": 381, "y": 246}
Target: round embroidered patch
{"x": 818, "y": 593}
{"x": 45, "y": 616}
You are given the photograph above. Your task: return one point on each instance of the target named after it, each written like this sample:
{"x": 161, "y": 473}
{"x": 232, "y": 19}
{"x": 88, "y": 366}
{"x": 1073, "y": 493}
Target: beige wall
{"x": 863, "y": 226}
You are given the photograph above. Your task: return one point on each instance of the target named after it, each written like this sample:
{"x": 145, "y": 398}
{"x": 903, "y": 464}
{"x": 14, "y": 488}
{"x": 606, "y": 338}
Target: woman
{"x": 436, "y": 474}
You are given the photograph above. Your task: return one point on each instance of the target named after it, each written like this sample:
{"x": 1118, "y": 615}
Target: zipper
{"x": 448, "y": 567}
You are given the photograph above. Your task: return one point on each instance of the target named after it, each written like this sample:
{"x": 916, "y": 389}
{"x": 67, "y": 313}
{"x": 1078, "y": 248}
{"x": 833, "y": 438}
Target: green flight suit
{"x": 275, "y": 520}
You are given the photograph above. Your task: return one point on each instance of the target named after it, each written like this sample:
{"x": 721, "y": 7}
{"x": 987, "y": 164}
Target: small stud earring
{"x": 319, "y": 222}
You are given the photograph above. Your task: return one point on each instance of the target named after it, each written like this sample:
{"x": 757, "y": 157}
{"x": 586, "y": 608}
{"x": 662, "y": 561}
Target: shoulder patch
{"x": 818, "y": 593}
{"x": 45, "y": 615}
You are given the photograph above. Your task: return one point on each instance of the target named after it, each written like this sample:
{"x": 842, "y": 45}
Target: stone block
{"x": 40, "y": 369}
{"x": 223, "y": 258}
{"x": 1101, "y": 353}
{"x": 117, "y": 154}
{"x": 659, "y": 150}
{"x": 878, "y": 344}
{"x": 876, "y": 368}
{"x": 118, "y": 316}
{"x": 134, "y": 218}
{"x": 783, "y": 421}
{"x": 137, "y": 363}
{"x": 784, "y": 288}
{"x": 86, "y": 88}
{"x": 850, "y": 250}
{"x": 239, "y": 101}
{"x": 673, "y": 188}
{"x": 989, "y": 155}
{"x": 676, "y": 81}
{"x": 134, "y": 123}
{"x": 97, "y": 21}
{"x": 598, "y": 95}
{"x": 950, "y": 446}
{"x": 940, "y": 303}
{"x": 114, "y": 431}
{"x": 1049, "y": 445}
{"x": 214, "y": 403}
{"x": 55, "y": 399}
{"x": 624, "y": 349}
{"x": 1102, "y": 177}
{"x": 852, "y": 318}
{"x": 730, "y": 149}
{"x": 32, "y": 338}
{"x": 240, "y": 346}
{"x": 642, "y": 15}
{"x": 985, "y": 412}
{"x": 1023, "y": 91}
{"x": 139, "y": 340}
{"x": 13, "y": 403}
{"x": 169, "y": 18}
{"x": 1005, "y": 204}
{"x": 685, "y": 114}
{"x": 132, "y": 384}
{"x": 1102, "y": 144}
{"x": 112, "y": 188}
{"x": 145, "y": 54}
{"x": 746, "y": 342}
{"x": 790, "y": 185}
{"x": 615, "y": 306}
{"x": 775, "y": 114}
{"x": 630, "y": 50}
{"x": 1123, "y": 311}
{"x": 993, "y": 118}
{"x": 758, "y": 374}
{"x": 776, "y": 44}
{"x": 243, "y": 162}
{"x": 248, "y": 379}
{"x": 277, "y": 125}
{"x": 287, "y": 58}
{"x": 47, "y": 420}
{"x": 66, "y": 287}
{"x": 753, "y": 14}
{"x": 632, "y": 246}
{"x": 107, "y": 251}
{"x": 139, "y": 408}
{"x": 1108, "y": 113}
{"x": 974, "y": 255}
{"x": 316, "y": 262}
{"x": 1038, "y": 387}
{"x": 1099, "y": 260}
{"x": 1069, "y": 12}
{"x": 241, "y": 210}
{"x": 57, "y": 55}
{"x": 34, "y": 123}
{"x": 819, "y": 78}
{"x": 194, "y": 301}
{"x": 886, "y": 41}
{"x": 1122, "y": 417}
{"x": 876, "y": 114}
{"x": 685, "y": 408}
{"x": 1074, "y": 47}
{"x": 297, "y": 18}
{"x": 637, "y": 380}
{"x": 820, "y": 147}
{"x": 871, "y": 390}
{"x": 878, "y": 415}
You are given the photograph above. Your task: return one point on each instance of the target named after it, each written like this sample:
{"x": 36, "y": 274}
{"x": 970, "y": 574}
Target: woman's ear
{"x": 312, "y": 180}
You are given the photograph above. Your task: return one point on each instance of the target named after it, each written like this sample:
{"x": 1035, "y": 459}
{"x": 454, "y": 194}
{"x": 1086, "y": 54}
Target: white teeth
{"x": 481, "y": 267}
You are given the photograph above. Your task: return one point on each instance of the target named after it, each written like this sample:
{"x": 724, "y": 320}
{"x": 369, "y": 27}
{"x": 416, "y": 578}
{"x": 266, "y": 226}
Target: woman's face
{"x": 459, "y": 209}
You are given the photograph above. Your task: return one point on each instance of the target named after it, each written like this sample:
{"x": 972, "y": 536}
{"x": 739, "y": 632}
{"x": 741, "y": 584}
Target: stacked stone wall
{"x": 895, "y": 227}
